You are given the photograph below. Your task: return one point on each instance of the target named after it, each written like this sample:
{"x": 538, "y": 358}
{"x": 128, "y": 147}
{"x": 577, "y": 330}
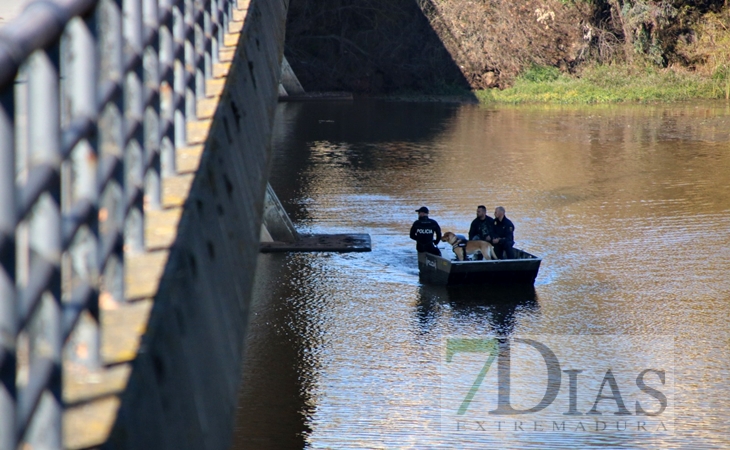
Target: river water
{"x": 629, "y": 207}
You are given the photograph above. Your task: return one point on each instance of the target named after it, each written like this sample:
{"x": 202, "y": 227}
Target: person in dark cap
{"x": 423, "y": 231}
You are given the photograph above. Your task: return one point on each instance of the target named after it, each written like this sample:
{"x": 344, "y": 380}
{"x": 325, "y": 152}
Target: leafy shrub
{"x": 540, "y": 74}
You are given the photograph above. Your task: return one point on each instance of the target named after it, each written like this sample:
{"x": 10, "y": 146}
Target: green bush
{"x": 721, "y": 76}
{"x": 540, "y": 74}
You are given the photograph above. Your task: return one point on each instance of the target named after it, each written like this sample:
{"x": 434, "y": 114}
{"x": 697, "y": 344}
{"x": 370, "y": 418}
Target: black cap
{"x": 422, "y": 209}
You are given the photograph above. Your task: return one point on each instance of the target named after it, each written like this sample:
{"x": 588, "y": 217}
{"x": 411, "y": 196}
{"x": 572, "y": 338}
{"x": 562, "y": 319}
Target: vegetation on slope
{"x": 532, "y": 50}
{"x": 606, "y": 84}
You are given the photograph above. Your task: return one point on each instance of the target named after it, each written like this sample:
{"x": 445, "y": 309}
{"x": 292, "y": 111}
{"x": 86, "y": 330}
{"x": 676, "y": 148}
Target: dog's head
{"x": 449, "y": 237}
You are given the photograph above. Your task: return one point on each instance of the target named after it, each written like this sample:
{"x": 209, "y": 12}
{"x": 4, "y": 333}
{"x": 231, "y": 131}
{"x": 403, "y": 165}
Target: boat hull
{"x": 437, "y": 270}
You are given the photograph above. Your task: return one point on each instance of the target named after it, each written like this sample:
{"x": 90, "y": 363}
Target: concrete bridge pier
{"x": 147, "y": 332}
{"x": 276, "y": 226}
{"x": 184, "y": 380}
{"x": 172, "y": 328}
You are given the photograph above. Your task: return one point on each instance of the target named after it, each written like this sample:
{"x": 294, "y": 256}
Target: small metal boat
{"x": 438, "y": 270}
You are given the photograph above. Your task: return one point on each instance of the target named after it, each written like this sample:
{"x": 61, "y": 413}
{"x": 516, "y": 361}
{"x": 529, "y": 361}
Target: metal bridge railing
{"x": 94, "y": 98}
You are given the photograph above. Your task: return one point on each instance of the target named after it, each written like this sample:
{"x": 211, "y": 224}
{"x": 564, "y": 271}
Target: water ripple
{"x": 629, "y": 207}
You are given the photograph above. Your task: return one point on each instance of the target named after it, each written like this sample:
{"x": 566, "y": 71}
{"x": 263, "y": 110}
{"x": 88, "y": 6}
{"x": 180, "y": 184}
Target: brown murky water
{"x": 628, "y": 205}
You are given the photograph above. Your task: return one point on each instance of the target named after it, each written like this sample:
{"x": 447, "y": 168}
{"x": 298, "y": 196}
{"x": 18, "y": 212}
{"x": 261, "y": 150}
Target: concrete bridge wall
{"x": 182, "y": 389}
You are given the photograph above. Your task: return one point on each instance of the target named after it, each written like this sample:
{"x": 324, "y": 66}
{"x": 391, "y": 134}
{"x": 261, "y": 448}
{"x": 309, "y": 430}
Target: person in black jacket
{"x": 481, "y": 227}
{"x": 422, "y": 232}
{"x": 503, "y": 238}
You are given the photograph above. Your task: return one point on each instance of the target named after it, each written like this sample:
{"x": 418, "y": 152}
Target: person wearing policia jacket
{"x": 423, "y": 230}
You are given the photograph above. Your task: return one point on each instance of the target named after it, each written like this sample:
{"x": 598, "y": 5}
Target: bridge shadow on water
{"x": 358, "y": 138}
{"x": 490, "y": 309}
{"x": 362, "y": 121}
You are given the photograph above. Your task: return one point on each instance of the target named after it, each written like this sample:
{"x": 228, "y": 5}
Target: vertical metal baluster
{"x": 8, "y": 306}
{"x": 167, "y": 95}
{"x": 190, "y": 78}
{"x": 153, "y": 186}
{"x": 222, "y": 20}
{"x": 134, "y": 118}
{"x": 45, "y": 240}
{"x": 207, "y": 6}
{"x": 22, "y": 164}
{"x": 200, "y": 48}
{"x": 217, "y": 32}
{"x": 228, "y": 7}
{"x": 180, "y": 82}
{"x": 22, "y": 230}
{"x": 111, "y": 147}
{"x": 82, "y": 87}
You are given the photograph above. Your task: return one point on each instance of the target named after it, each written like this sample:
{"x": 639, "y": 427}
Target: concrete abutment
{"x": 184, "y": 377}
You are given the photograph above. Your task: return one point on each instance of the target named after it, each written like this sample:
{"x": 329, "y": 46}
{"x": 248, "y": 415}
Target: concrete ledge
{"x": 221, "y": 69}
{"x": 317, "y": 96}
{"x": 88, "y": 425}
{"x": 82, "y": 386}
{"x": 175, "y": 190}
{"x": 214, "y": 87}
{"x": 142, "y": 274}
{"x": 342, "y": 243}
{"x": 188, "y": 159}
{"x": 206, "y": 107}
{"x": 197, "y": 131}
{"x": 124, "y": 327}
{"x": 161, "y": 228}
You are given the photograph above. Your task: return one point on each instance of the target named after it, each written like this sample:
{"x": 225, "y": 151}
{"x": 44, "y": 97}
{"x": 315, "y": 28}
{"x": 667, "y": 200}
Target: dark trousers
{"x": 432, "y": 249}
{"x": 504, "y": 251}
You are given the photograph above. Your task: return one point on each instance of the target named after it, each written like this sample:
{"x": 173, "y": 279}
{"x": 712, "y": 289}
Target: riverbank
{"x": 608, "y": 84}
{"x": 598, "y": 84}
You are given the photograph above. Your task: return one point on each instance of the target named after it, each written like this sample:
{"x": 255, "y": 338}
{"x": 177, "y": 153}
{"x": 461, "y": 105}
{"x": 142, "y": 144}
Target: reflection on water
{"x": 629, "y": 206}
{"x": 495, "y": 307}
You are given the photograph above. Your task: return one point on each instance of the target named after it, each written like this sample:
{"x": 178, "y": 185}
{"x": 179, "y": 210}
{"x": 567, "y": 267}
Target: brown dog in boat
{"x": 471, "y": 247}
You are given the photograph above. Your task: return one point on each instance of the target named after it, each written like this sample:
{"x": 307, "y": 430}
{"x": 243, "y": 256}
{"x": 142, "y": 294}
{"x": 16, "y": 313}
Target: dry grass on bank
{"x": 492, "y": 41}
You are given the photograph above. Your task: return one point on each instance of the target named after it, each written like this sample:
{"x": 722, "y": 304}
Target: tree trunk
{"x": 616, "y": 7}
